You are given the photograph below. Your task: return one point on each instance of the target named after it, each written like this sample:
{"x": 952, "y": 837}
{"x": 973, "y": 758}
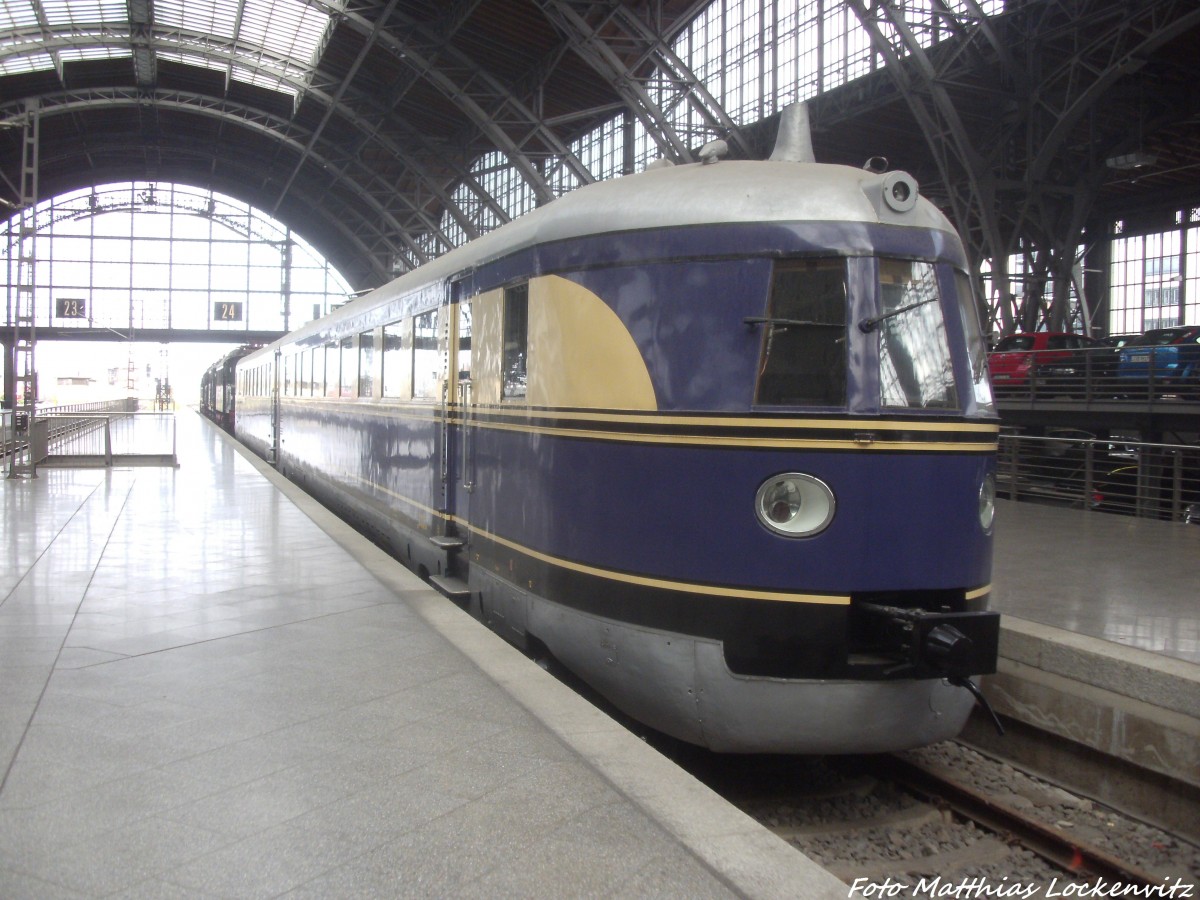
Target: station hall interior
{"x": 187, "y": 639}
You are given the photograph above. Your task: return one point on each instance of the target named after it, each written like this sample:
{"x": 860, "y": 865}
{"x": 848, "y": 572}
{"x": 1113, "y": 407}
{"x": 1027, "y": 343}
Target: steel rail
{"x": 1062, "y": 850}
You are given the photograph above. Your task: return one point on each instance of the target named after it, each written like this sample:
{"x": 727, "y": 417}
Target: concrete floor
{"x": 1135, "y": 582}
{"x": 210, "y": 687}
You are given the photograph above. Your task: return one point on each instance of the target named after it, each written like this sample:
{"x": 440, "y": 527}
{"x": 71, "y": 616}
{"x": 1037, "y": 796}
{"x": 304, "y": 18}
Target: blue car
{"x": 1162, "y": 361}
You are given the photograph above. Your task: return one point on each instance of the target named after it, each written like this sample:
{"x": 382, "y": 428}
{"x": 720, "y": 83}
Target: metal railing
{"x": 1159, "y": 481}
{"x": 8, "y": 432}
{"x": 1144, "y": 375}
{"x": 104, "y": 433}
{"x": 127, "y": 438}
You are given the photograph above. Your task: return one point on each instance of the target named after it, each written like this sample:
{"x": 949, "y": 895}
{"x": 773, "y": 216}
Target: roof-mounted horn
{"x": 794, "y": 141}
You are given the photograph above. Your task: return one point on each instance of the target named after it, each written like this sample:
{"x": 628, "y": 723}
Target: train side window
{"x": 425, "y": 356}
{"x": 915, "y": 367}
{"x": 396, "y": 364}
{"x": 464, "y": 340}
{"x": 804, "y": 338}
{"x": 333, "y": 371}
{"x": 366, "y": 363}
{"x": 516, "y": 342}
{"x": 348, "y": 384}
{"x": 288, "y": 366}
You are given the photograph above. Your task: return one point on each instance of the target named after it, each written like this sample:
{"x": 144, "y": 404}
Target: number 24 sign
{"x": 227, "y": 312}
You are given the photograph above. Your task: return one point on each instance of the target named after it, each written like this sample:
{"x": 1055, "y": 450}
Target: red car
{"x": 1017, "y": 355}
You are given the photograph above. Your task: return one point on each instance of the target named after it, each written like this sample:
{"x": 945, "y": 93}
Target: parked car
{"x": 1158, "y": 483}
{"x": 1090, "y": 371}
{"x": 1015, "y": 359}
{"x": 1161, "y": 361}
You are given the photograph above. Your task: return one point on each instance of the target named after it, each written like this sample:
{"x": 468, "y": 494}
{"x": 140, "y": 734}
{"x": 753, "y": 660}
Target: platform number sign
{"x": 227, "y": 312}
{"x": 70, "y": 308}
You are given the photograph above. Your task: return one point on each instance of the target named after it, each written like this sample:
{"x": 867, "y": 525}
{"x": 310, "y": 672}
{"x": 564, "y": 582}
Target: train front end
{"x": 792, "y": 552}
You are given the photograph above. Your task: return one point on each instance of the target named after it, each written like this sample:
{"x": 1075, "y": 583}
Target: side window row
{"x": 407, "y": 353}
{"x": 405, "y": 357}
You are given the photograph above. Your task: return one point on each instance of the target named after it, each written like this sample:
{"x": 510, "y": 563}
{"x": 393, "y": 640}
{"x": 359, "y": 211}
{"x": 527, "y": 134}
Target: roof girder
{"x": 595, "y": 27}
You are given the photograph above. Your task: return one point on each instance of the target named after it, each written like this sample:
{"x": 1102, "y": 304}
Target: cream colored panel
{"x": 580, "y": 354}
{"x": 488, "y": 312}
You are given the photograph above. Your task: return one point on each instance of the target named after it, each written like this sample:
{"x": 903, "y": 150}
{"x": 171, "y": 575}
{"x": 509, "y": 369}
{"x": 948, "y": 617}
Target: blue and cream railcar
{"x": 719, "y": 437}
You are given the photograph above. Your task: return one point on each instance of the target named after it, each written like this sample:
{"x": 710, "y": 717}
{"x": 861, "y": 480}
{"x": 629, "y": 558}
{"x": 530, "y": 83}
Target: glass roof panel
{"x": 28, "y": 62}
{"x": 16, "y": 15}
{"x": 271, "y": 43}
{"x": 78, "y": 53}
{"x": 193, "y": 59}
{"x": 80, "y": 13}
{"x": 218, "y": 19}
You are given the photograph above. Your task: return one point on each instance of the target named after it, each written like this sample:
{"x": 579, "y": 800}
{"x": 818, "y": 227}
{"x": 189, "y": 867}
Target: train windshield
{"x": 916, "y": 370}
{"x": 976, "y": 345}
{"x": 804, "y": 341}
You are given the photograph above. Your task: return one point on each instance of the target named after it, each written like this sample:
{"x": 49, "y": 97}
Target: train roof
{"x": 722, "y": 192}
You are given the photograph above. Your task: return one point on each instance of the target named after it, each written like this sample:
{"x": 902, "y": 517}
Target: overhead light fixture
{"x": 1139, "y": 159}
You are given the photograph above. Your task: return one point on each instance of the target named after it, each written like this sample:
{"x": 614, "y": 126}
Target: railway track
{"x": 948, "y": 822}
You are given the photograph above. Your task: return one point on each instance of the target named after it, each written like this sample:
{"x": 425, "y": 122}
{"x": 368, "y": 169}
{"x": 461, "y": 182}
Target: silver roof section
{"x": 725, "y": 192}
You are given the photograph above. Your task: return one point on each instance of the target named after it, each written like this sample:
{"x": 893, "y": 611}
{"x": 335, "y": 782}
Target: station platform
{"x": 211, "y": 687}
{"x": 1098, "y": 675}
{"x": 1135, "y": 582}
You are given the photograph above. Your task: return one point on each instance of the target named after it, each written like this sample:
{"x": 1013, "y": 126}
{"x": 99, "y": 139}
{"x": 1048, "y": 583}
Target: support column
{"x": 22, "y": 302}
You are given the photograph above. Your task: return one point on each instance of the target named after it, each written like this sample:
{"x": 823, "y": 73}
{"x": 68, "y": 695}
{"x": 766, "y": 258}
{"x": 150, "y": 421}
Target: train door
{"x": 455, "y": 441}
{"x": 276, "y": 374}
{"x": 457, "y": 444}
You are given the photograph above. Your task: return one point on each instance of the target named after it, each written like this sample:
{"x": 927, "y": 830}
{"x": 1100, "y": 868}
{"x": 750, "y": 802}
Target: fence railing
{"x": 8, "y": 432}
{"x": 1159, "y": 481}
{"x": 140, "y": 438}
{"x": 1142, "y": 375}
{"x": 93, "y": 434}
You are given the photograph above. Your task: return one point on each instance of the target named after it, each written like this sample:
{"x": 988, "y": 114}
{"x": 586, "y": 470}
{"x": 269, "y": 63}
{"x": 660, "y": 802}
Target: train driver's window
{"x": 804, "y": 337}
{"x": 516, "y": 342}
{"x": 915, "y": 368}
{"x": 976, "y": 344}
{"x": 425, "y": 356}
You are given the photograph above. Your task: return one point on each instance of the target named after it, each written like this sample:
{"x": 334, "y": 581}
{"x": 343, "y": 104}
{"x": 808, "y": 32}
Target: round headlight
{"x": 795, "y": 505}
{"x": 987, "y": 501}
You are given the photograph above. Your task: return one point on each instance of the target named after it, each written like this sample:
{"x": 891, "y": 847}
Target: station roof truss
{"x": 359, "y": 123}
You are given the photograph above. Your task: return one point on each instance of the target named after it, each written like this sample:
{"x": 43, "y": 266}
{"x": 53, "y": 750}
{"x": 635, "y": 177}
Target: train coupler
{"x": 925, "y": 644}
